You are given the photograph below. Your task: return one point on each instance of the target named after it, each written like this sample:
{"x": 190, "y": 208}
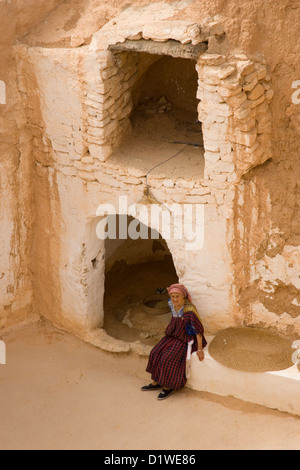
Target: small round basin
{"x": 251, "y": 350}
{"x": 156, "y": 304}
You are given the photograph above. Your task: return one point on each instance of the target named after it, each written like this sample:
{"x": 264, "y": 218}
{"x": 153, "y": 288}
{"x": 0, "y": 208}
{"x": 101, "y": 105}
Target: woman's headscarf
{"x": 180, "y": 289}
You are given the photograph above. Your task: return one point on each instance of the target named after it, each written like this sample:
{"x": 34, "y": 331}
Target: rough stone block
{"x": 211, "y": 145}
{"x": 264, "y": 125}
{"x": 269, "y": 95}
{"x": 219, "y": 195}
{"x": 247, "y": 125}
{"x": 99, "y": 98}
{"x": 245, "y": 138}
{"x": 67, "y": 170}
{"x": 249, "y": 78}
{"x": 220, "y": 177}
{"x": 232, "y": 82}
{"x": 245, "y": 67}
{"x": 251, "y": 85}
{"x": 238, "y": 100}
{"x": 211, "y": 59}
{"x": 87, "y": 160}
{"x": 244, "y": 111}
{"x": 101, "y": 152}
{"x": 213, "y": 75}
{"x": 83, "y": 166}
{"x": 109, "y": 72}
{"x": 168, "y": 183}
{"x": 261, "y": 73}
{"x": 257, "y": 91}
{"x": 224, "y": 167}
{"x": 98, "y": 121}
{"x": 211, "y": 157}
{"x": 227, "y": 92}
{"x": 107, "y": 104}
{"x": 257, "y": 102}
{"x": 86, "y": 175}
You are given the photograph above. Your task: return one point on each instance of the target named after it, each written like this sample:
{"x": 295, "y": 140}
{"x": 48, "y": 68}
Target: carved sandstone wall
{"x": 16, "y": 195}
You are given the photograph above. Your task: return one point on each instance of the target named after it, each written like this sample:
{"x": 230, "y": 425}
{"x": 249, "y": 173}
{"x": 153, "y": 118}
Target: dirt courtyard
{"x": 58, "y": 392}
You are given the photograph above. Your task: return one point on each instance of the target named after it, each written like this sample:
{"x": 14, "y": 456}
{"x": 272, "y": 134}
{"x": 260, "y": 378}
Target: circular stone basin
{"x": 251, "y": 350}
{"x": 156, "y": 304}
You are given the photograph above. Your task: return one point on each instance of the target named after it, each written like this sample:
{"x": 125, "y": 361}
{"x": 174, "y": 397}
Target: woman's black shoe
{"x": 149, "y": 387}
{"x": 164, "y": 394}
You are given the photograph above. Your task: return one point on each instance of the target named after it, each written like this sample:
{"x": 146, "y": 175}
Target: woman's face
{"x": 177, "y": 299}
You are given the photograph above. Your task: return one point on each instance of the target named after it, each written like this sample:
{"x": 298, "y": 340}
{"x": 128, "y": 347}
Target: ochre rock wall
{"x": 16, "y": 195}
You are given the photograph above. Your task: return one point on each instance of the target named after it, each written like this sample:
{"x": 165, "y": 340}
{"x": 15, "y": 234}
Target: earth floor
{"x": 58, "y": 392}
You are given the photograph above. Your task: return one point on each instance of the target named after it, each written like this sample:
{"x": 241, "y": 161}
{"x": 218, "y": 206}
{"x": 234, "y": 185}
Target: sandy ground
{"x": 58, "y": 392}
{"x": 145, "y": 147}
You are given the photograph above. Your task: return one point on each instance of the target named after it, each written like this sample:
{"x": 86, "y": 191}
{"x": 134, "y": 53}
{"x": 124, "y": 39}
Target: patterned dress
{"x": 167, "y": 360}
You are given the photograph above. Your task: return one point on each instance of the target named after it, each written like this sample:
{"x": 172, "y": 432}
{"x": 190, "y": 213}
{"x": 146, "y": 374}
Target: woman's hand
{"x": 200, "y": 352}
{"x": 200, "y": 355}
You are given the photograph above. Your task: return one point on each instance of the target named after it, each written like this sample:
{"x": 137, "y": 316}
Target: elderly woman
{"x": 168, "y": 359}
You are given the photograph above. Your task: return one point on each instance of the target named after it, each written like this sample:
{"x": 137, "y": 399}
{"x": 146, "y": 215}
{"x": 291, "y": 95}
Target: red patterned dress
{"x": 167, "y": 360}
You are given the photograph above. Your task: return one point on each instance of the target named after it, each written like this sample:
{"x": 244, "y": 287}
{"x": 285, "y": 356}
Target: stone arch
{"x": 134, "y": 269}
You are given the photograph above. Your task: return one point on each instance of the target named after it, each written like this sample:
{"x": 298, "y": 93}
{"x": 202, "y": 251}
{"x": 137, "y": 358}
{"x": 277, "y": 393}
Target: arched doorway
{"x": 135, "y": 269}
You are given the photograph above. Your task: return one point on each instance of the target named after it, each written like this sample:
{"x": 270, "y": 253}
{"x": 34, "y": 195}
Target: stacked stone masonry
{"x": 234, "y": 94}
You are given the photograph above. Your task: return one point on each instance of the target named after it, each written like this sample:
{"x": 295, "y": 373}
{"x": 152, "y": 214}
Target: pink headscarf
{"x": 180, "y": 289}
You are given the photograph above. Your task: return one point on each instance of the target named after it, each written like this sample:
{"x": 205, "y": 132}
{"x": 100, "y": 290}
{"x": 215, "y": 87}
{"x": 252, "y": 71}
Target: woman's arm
{"x": 200, "y": 352}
